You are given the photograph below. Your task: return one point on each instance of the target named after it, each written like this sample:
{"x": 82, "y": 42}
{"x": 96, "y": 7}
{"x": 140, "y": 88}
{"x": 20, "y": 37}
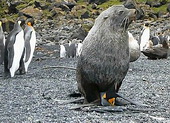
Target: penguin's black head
{"x": 30, "y": 21}
{"x": 22, "y": 20}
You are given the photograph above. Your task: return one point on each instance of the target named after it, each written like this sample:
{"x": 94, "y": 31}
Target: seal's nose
{"x": 132, "y": 14}
{"x": 132, "y": 11}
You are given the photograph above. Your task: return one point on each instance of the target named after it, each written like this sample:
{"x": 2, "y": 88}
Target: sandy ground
{"x": 31, "y": 98}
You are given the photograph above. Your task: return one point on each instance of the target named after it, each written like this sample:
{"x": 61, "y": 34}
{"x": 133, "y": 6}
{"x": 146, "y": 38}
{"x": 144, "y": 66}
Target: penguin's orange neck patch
{"x": 29, "y": 24}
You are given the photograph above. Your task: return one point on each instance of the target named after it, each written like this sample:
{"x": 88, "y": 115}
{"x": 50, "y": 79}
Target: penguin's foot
{"x": 107, "y": 101}
{"x": 6, "y": 75}
{"x": 22, "y": 72}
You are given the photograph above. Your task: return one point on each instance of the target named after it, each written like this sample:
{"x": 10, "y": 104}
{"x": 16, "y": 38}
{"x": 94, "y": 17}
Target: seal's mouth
{"x": 131, "y": 16}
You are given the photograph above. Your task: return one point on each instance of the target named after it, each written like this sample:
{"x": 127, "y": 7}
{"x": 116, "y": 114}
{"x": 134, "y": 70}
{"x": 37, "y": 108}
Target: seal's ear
{"x": 105, "y": 17}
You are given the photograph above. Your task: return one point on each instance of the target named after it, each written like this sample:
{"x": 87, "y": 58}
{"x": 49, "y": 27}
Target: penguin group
{"x": 154, "y": 46}
{"x": 70, "y": 50}
{"x": 18, "y": 48}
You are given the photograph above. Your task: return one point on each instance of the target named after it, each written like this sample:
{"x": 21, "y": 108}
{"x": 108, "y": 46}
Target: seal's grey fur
{"x": 104, "y": 60}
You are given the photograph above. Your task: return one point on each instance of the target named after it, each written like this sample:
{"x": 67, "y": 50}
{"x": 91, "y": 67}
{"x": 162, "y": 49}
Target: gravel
{"x": 31, "y": 98}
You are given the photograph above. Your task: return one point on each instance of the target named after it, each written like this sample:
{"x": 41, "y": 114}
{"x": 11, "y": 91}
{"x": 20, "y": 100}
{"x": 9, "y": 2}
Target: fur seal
{"x": 104, "y": 60}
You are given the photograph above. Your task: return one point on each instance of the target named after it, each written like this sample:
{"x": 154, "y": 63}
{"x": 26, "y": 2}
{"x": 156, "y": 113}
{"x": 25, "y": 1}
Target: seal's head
{"x": 116, "y": 16}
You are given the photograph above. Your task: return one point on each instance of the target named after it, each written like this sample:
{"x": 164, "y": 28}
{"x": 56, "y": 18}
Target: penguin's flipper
{"x": 10, "y": 56}
{"x": 27, "y": 38}
{"x": 10, "y": 49}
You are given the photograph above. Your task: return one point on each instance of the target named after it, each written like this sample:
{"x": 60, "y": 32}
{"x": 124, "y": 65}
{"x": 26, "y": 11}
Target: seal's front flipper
{"x": 108, "y": 109}
{"x": 78, "y": 100}
{"x": 94, "y": 103}
{"x": 82, "y": 106}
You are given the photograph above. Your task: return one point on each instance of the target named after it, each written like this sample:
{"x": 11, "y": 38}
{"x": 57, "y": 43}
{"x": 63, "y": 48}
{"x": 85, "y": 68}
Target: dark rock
{"x": 7, "y": 25}
{"x": 32, "y": 12}
{"x": 153, "y": 15}
{"x": 163, "y": 2}
{"x": 85, "y": 15}
{"x": 94, "y": 6}
{"x": 41, "y": 5}
{"x": 159, "y": 14}
{"x": 12, "y": 7}
{"x": 79, "y": 34}
{"x": 130, "y": 4}
{"x": 156, "y": 3}
{"x": 56, "y": 12}
{"x": 70, "y": 3}
{"x": 64, "y": 7}
{"x": 168, "y": 8}
{"x": 97, "y": 1}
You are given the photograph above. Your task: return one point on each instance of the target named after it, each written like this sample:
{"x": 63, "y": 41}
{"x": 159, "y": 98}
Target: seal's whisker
{"x": 124, "y": 22}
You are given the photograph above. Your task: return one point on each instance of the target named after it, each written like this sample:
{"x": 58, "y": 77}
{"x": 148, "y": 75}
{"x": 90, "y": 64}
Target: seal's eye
{"x": 121, "y": 12}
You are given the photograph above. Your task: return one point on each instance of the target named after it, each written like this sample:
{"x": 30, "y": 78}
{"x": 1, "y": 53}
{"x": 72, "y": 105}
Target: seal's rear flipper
{"x": 78, "y": 100}
{"x": 131, "y": 101}
{"x": 111, "y": 98}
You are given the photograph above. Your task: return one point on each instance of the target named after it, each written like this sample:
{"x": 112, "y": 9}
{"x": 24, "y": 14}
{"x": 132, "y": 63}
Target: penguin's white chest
{"x": 79, "y": 49}
{"x": 18, "y": 50}
{"x": 62, "y": 51}
{"x": 144, "y": 39}
{"x": 32, "y": 48}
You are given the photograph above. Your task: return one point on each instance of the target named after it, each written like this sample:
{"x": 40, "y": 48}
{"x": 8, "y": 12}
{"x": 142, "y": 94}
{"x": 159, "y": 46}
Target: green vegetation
{"x": 82, "y": 7}
{"x": 46, "y": 13}
{"x": 109, "y": 3}
{"x": 11, "y": 17}
{"x": 162, "y": 9}
{"x": 86, "y": 27}
{"x": 141, "y": 1}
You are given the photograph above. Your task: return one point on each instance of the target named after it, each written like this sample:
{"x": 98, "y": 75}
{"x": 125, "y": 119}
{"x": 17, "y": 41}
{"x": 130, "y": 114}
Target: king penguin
{"x": 14, "y": 48}
{"x": 144, "y": 37}
{"x": 62, "y": 51}
{"x": 79, "y": 49}
{"x": 134, "y": 49}
{"x": 30, "y": 42}
{"x": 2, "y": 44}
